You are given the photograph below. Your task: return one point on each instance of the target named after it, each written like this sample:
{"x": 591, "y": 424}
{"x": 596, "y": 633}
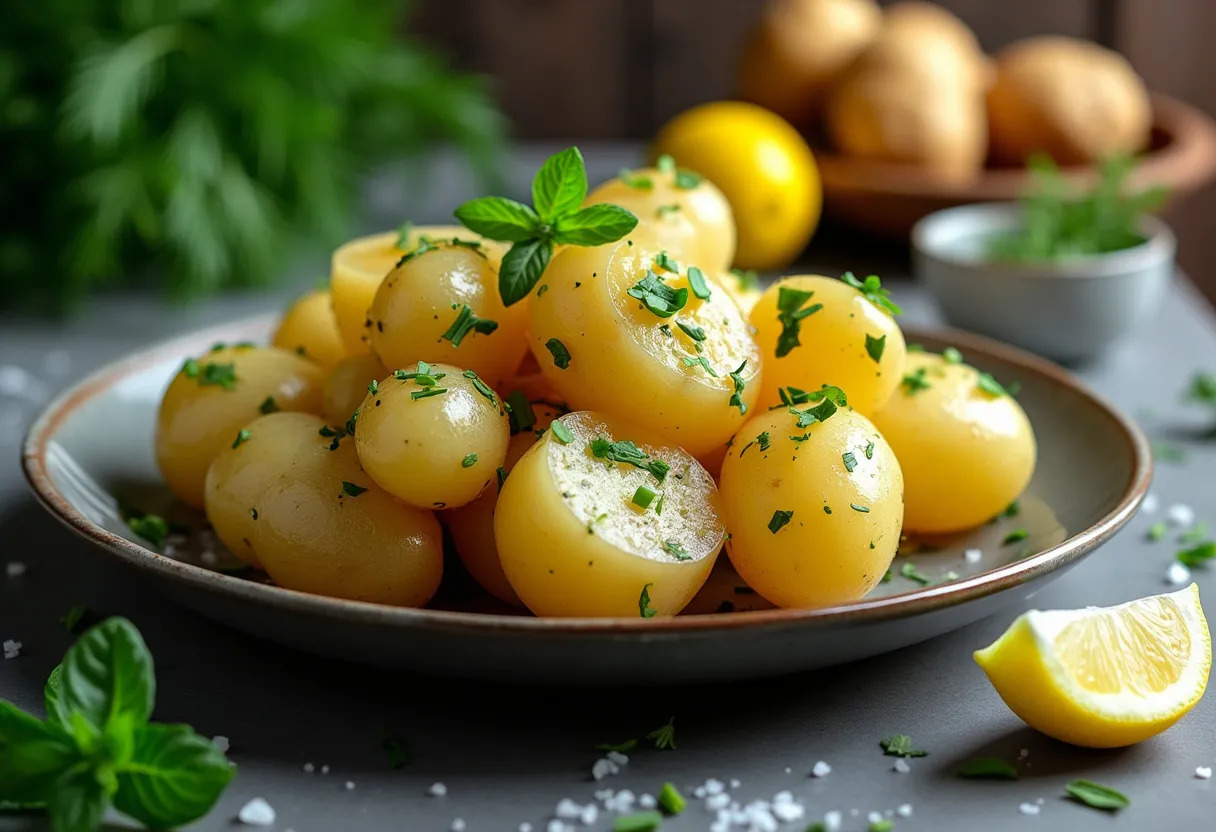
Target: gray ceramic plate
{"x": 92, "y": 447}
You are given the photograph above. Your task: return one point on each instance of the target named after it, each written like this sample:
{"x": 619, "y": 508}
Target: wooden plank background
{"x": 604, "y": 69}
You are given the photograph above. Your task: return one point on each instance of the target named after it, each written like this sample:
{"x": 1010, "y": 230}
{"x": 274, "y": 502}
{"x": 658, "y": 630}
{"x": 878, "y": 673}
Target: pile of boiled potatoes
{"x": 590, "y": 449}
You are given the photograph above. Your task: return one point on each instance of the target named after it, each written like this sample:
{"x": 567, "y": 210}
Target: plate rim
{"x": 865, "y": 610}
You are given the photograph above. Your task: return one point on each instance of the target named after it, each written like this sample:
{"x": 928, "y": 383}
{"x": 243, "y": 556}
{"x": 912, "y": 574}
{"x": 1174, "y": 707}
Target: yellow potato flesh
{"x": 309, "y": 329}
{"x": 472, "y": 525}
{"x": 844, "y": 528}
{"x": 694, "y": 225}
{"x": 346, "y": 386}
{"x": 966, "y": 454}
{"x": 434, "y": 451}
{"x": 417, "y": 304}
{"x": 197, "y": 419}
{"x": 833, "y": 344}
{"x": 626, "y": 360}
{"x": 572, "y": 542}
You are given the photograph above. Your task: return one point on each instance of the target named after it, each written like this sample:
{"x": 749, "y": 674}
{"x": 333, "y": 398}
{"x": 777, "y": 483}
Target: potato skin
{"x": 966, "y": 454}
{"x": 309, "y": 329}
{"x": 346, "y": 386}
{"x": 416, "y": 448}
{"x": 833, "y": 344}
{"x": 420, "y": 300}
{"x": 571, "y": 542}
{"x": 198, "y": 419}
{"x": 831, "y": 551}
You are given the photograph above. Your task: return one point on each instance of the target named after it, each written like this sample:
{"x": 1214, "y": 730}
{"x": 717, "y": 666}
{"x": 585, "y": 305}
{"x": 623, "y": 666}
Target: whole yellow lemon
{"x": 764, "y": 168}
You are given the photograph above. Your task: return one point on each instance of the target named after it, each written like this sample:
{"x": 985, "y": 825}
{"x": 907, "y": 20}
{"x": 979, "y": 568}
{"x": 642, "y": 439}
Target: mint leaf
{"x": 560, "y": 185}
{"x": 106, "y": 674}
{"x": 78, "y": 800}
{"x": 657, "y": 296}
{"x": 1097, "y": 796}
{"x": 594, "y": 225}
{"x": 174, "y": 777}
{"x": 499, "y": 218}
{"x": 32, "y": 756}
{"x": 521, "y": 269}
{"x": 55, "y": 711}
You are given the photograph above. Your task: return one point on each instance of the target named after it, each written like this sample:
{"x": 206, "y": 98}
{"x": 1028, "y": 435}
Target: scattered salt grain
{"x": 821, "y": 769}
{"x": 788, "y": 770}
{"x": 350, "y": 785}
{"x": 1023, "y": 753}
{"x": 716, "y": 802}
{"x": 568, "y": 809}
{"x": 256, "y": 812}
{"x": 325, "y": 769}
{"x": 1030, "y": 808}
{"x": 1177, "y": 574}
{"x": 309, "y": 768}
{"x": 904, "y": 810}
{"x": 556, "y": 825}
{"x": 618, "y": 758}
{"x": 735, "y": 782}
{"x": 525, "y": 827}
{"x": 1203, "y": 772}
{"x": 14, "y": 569}
{"x": 874, "y": 817}
{"x": 19, "y": 383}
{"x": 832, "y": 821}
{"x": 621, "y": 802}
{"x": 458, "y": 825}
{"x": 437, "y": 790}
{"x": 1181, "y": 515}
{"x": 901, "y": 765}
{"x": 699, "y": 792}
{"x": 589, "y": 814}
{"x": 713, "y": 786}
{"x": 1149, "y": 504}
{"x": 973, "y": 555}
{"x": 221, "y": 743}
{"x": 785, "y": 809}
{"x": 12, "y": 649}
{"x": 647, "y": 801}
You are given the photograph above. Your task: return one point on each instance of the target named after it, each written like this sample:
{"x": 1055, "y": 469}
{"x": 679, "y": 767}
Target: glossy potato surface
{"x": 626, "y": 360}
{"x": 472, "y": 525}
{"x": 420, "y": 302}
{"x": 214, "y": 396}
{"x": 966, "y": 453}
{"x": 832, "y": 344}
{"x": 432, "y": 450}
{"x": 844, "y": 528}
{"x": 346, "y": 386}
{"x": 694, "y": 224}
{"x": 309, "y": 329}
{"x": 572, "y": 543}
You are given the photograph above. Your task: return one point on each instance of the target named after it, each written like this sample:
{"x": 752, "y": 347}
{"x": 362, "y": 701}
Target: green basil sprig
{"x": 558, "y": 189}
{"x": 96, "y": 746}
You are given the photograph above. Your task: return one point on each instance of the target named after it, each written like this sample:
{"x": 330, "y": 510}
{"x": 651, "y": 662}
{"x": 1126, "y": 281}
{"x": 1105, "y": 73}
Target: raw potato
{"x": 693, "y": 224}
{"x": 799, "y": 48}
{"x": 212, "y": 397}
{"x": 572, "y": 542}
{"x": 359, "y": 266}
{"x": 843, "y": 530}
{"x": 966, "y": 453}
{"x": 418, "y": 308}
{"x": 432, "y": 449}
{"x": 833, "y": 344}
{"x": 324, "y": 527}
{"x": 472, "y": 525}
{"x": 626, "y": 360}
{"x": 935, "y": 33}
{"x": 1074, "y": 100}
{"x": 346, "y": 386}
{"x": 310, "y": 329}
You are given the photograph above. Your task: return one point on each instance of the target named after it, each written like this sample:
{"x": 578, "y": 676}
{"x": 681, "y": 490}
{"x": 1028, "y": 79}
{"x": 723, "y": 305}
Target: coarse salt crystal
{"x": 309, "y": 768}
{"x": 1029, "y": 808}
{"x": 18, "y": 382}
{"x": 973, "y": 555}
{"x": 256, "y": 812}
{"x": 525, "y": 827}
{"x": 901, "y": 765}
{"x": 699, "y": 792}
{"x": 12, "y": 648}
{"x": 1203, "y": 772}
{"x": 821, "y": 769}
{"x": 735, "y": 782}
{"x": 1180, "y": 514}
{"x": 14, "y": 569}
{"x": 1149, "y": 504}
{"x": 788, "y": 770}
{"x": 567, "y": 808}
{"x": 437, "y": 790}
{"x": 788, "y": 811}
{"x": 648, "y": 801}
{"x": 1023, "y": 753}
{"x": 458, "y": 825}
{"x": 325, "y": 769}
{"x": 717, "y": 802}
{"x": 617, "y": 757}
{"x": 713, "y": 786}
{"x": 221, "y": 743}
{"x": 589, "y": 814}
{"x": 556, "y": 826}
{"x": 904, "y": 810}
{"x": 832, "y": 821}
{"x": 1177, "y": 574}
{"x": 602, "y": 767}
{"x": 350, "y": 785}
{"x": 623, "y": 800}
{"x": 874, "y": 817}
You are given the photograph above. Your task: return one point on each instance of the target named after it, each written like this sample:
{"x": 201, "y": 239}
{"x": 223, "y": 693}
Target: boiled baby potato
{"x": 310, "y": 329}
{"x": 359, "y": 266}
{"x": 432, "y": 435}
{"x": 472, "y": 525}
{"x": 631, "y": 331}
{"x": 603, "y": 518}
{"x": 814, "y": 330}
{"x": 813, "y": 503}
{"x": 966, "y": 447}
{"x": 679, "y": 211}
{"x": 441, "y": 303}
{"x": 323, "y": 526}
{"x": 934, "y": 34}
{"x": 530, "y": 380}
{"x": 799, "y": 48}
{"x": 346, "y": 386}
{"x": 1072, "y": 99}
{"x": 212, "y": 397}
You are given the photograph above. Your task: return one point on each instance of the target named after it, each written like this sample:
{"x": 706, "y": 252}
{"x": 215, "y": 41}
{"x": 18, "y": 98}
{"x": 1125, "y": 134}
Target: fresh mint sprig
{"x": 558, "y": 189}
{"x": 96, "y": 747}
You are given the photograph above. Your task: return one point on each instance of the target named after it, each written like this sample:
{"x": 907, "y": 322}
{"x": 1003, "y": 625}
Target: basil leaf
{"x": 560, "y": 185}
{"x": 78, "y": 800}
{"x": 55, "y": 712}
{"x": 1097, "y": 796}
{"x": 32, "y": 756}
{"x": 521, "y": 269}
{"x": 174, "y": 777}
{"x": 594, "y": 225}
{"x": 499, "y": 218}
{"x": 108, "y": 672}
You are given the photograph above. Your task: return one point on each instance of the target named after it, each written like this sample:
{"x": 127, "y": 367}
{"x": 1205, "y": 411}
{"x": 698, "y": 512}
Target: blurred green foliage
{"x": 188, "y": 142}
{"x": 1058, "y": 225}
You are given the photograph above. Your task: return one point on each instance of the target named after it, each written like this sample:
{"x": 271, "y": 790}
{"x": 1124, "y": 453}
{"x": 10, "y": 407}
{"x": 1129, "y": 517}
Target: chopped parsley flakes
{"x": 871, "y": 287}
{"x": 561, "y": 355}
{"x": 900, "y": 745}
{"x": 657, "y": 296}
{"x": 626, "y": 452}
{"x": 352, "y": 490}
{"x": 697, "y": 282}
{"x": 779, "y": 519}
{"x": 465, "y": 323}
{"x": 875, "y": 347}
{"x": 562, "y": 433}
{"x": 736, "y": 398}
{"x": 790, "y": 312}
{"x": 469, "y": 461}
{"x": 644, "y": 607}
{"x": 242, "y": 436}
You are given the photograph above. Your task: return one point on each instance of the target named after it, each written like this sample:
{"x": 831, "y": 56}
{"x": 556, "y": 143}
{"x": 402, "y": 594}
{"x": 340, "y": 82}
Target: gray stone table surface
{"x": 507, "y": 755}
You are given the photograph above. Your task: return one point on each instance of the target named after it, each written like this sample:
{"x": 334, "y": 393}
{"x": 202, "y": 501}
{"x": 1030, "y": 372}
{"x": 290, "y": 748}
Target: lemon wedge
{"x": 1104, "y": 677}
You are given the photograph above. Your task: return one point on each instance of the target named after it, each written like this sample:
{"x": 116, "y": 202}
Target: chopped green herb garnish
{"x": 881, "y": 825}
{"x": 625, "y": 451}
{"x": 214, "y": 375}
{"x": 763, "y": 440}
{"x": 671, "y": 801}
{"x": 352, "y": 490}
{"x": 634, "y": 180}
{"x": 1013, "y": 509}
{"x": 748, "y": 279}
{"x": 691, "y": 330}
{"x": 850, "y": 461}
{"x": 242, "y": 436}
{"x": 562, "y": 433}
{"x": 985, "y": 382}
{"x": 736, "y": 398}
{"x": 647, "y": 821}
{"x": 469, "y": 461}
{"x": 699, "y": 360}
{"x": 657, "y": 296}
{"x": 665, "y": 262}
{"x": 912, "y": 573}
{"x": 871, "y": 287}
{"x": 1155, "y": 532}
{"x": 887, "y": 577}
{"x": 790, "y": 313}
{"x": 619, "y": 747}
{"x": 860, "y": 508}
{"x": 673, "y": 548}
{"x": 687, "y": 179}
{"x": 1015, "y": 536}
{"x": 501, "y": 473}
{"x": 952, "y": 356}
{"x": 664, "y": 210}
{"x": 875, "y": 347}
{"x": 643, "y": 497}
{"x": 988, "y": 768}
{"x": 465, "y": 323}
{"x": 425, "y": 244}
{"x": 869, "y": 450}
{"x": 561, "y": 356}
{"x": 373, "y": 387}
{"x": 268, "y": 405}
{"x": 900, "y": 745}
{"x": 427, "y": 392}
{"x": 697, "y": 282}
{"x": 644, "y": 607}
{"x": 73, "y": 616}
{"x": 1096, "y": 796}
{"x": 519, "y": 412}
{"x": 664, "y": 737}
{"x": 916, "y": 347}
{"x": 779, "y": 520}
{"x": 791, "y": 396}
{"x": 827, "y": 509}
{"x": 481, "y": 387}
{"x": 1197, "y": 555}
{"x": 915, "y": 381}
{"x": 830, "y": 398}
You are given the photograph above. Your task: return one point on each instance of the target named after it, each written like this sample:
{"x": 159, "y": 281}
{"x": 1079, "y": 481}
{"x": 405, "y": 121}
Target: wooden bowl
{"x": 887, "y": 198}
